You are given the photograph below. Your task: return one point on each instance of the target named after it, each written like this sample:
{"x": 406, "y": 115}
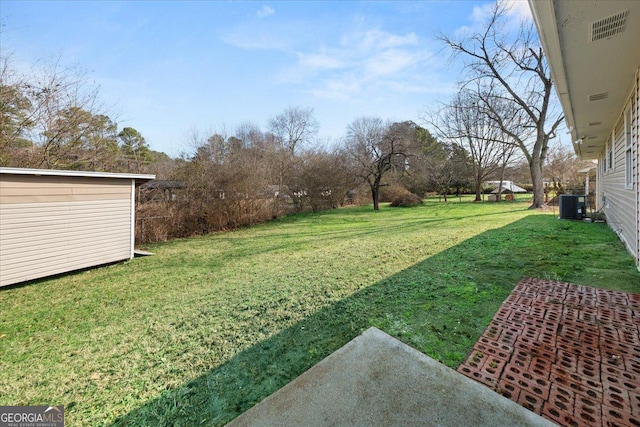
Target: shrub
{"x": 406, "y": 199}
{"x": 488, "y": 189}
{"x": 528, "y": 187}
{"x": 389, "y": 193}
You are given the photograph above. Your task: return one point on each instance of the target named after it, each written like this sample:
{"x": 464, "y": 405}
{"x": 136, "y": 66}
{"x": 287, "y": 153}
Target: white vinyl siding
{"x": 635, "y": 156}
{"x": 617, "y": 181}
{"x": 55, "y": 224}
{"x": 628, "y": 158}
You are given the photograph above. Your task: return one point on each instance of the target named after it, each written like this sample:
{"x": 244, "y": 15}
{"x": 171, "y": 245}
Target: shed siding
{"x": 54, "y": 224}
{"x": 618, "y": 201}
{"x": 35, "y": 189}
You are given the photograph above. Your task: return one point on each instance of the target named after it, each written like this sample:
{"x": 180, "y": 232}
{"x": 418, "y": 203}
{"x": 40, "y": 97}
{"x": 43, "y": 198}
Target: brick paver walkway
{"x": 570, "y": 353}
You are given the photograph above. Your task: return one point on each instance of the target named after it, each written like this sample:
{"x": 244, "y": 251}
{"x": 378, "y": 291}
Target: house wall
{"x": 54, "y": 224}
{"x": 618, "y": 201}
{"x": 635, "y": 131}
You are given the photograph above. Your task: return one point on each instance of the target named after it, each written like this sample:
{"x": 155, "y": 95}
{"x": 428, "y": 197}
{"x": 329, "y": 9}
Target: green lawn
{"x": 210, "y": 326}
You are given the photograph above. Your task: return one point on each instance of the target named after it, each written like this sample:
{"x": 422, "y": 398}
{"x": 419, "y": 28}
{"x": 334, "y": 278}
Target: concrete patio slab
{"x": 376, "y": 380}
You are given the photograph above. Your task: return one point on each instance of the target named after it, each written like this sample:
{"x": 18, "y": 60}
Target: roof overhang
{"x": 592, "y": 66}
{"x": 139, "y": 178}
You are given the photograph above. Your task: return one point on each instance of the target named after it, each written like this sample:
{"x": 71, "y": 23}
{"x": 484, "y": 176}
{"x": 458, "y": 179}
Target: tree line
{"x": 52, "y": 119}
{"x": 500, "y": 121}
{"x": 255, "y": 175}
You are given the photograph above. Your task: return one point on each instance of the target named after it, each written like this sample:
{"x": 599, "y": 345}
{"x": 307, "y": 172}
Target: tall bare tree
{"x": 293, "y": 127}
{"x": 507, "y": 67}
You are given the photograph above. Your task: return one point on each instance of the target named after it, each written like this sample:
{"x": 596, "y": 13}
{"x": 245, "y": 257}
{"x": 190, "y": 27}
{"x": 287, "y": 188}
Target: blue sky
{"x": 168, "y": 68}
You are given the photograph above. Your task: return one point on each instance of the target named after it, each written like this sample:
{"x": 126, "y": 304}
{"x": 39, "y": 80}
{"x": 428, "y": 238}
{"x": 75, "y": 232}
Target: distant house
{"x": 593, "y": 49}
{"x": 161, "y": 190}
{"x": 54, "y": 221}
{"x": 507, "y": 187}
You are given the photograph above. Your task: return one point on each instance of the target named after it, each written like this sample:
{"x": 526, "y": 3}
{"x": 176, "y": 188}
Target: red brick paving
{"x": 568, "y": 352}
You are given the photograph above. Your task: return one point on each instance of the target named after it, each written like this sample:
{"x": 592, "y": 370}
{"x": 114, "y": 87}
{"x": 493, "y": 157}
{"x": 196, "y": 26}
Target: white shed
{"x": 509, "y": 187}
{"x": 54, "y": 221}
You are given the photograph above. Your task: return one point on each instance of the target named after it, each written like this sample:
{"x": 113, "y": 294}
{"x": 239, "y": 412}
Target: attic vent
{"x": 595, "y": 123}
{"x": 598, "y": 96}
{"x": 592, "y": 137}
{"x": 609, "y": 26}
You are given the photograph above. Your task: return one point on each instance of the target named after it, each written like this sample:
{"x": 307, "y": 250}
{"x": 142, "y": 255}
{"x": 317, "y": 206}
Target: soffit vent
{"x": 598, "y": 96}
{"x": 609, "y": 26}
{"x": 595, "y": 123}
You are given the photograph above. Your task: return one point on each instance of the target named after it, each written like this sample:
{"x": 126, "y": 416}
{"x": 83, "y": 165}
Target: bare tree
{"x": 63, "y": 100}
{"x": 413, "y": 173}
{"x": 226, "y": 185}
{"x": 375, "y": 149}
{"x": 252, "y": 137}
{"x": 446, "y": 167}
{"x": 562, "y": 170}
{"x": 325, "y": 178}
{"x": 462, "y": 122}
{"x": 15, "y": 115}
{"x": 294, "y": 126}
{"x": 507, "y": 68}
{"x": 52, "y": 118}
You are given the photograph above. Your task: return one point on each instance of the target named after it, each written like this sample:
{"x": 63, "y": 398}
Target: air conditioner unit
{"x": 572, "y": 206}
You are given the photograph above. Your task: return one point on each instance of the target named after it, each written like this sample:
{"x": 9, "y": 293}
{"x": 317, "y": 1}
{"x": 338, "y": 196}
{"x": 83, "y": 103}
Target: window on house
{"x": 605, "y": 158}
{"x": 628, "y": 159}
{"x": 610, "y": 154}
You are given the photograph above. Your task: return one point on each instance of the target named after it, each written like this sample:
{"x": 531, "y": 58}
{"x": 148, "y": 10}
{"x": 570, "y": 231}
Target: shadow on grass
{"x": 239, "y": 247}
{"x": 439, "y": 306}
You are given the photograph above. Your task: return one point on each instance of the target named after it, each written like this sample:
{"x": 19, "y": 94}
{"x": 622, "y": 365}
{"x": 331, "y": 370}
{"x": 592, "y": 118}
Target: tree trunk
{"x": 499, "y": 195}
{"x": 535, "y": 166}
{"x": 477, "y": 179}
{"x": 375, "y": 193}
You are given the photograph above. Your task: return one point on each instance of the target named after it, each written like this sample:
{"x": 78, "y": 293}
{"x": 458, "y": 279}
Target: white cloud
{"x": 361, "y": 63}
{"x": 265, "y": 11}
{"x": 390, "y": 62}
{"x": 318, "y": 61}
{"x": 348, "y": 66}
{"x": 482, "y": 13}
{"x": 254, "y": 38}
{"x": 376, "y": 39}
{"x": 519, "y": 9}
{"x": 341, "y": 89}
{"x": 516, "y": 11}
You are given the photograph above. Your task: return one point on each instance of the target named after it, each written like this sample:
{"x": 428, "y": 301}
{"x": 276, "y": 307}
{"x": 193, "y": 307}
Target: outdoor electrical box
{"x": 572, "y": 206}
